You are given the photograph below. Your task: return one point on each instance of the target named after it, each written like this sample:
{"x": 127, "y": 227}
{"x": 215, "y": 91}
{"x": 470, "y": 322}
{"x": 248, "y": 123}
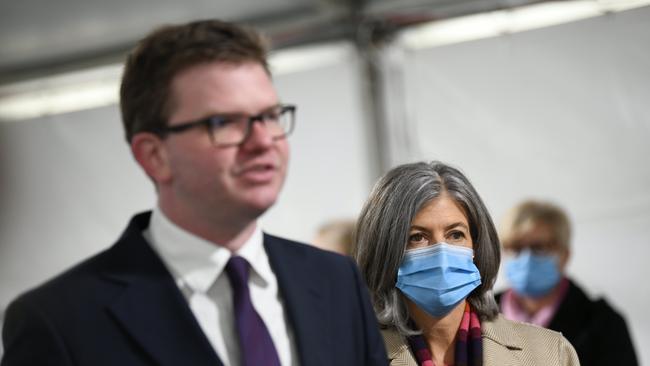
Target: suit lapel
{"x": 300, "y": 286}
{"x": 151, "y": 308}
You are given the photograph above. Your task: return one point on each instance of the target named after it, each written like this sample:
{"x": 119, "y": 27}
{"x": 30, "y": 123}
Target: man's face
{"x": 235, "y": 180}
{"x": 539, "y": 238}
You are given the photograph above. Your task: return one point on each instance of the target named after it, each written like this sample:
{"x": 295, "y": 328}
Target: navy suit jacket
{"x": 122, "y": 307}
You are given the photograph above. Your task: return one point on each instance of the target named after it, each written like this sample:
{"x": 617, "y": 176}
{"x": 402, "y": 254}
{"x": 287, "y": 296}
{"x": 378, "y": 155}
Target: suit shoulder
{"x": 604, "y": 309}
{"x": 305, "y": 249}
{"x": 65, "y": 284}
{"x": 297, "y": 257}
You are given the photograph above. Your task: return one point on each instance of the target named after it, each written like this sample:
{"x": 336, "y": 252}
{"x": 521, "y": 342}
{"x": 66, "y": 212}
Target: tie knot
{"x": 237, "y": 270}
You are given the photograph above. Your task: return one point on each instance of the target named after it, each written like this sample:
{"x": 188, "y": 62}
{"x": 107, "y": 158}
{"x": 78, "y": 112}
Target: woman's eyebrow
{"x": 417, "y": 227}
{"x": 456, "y": 224}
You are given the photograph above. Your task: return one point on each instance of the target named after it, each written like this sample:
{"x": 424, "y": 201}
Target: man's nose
{"x": 258, "y": 135}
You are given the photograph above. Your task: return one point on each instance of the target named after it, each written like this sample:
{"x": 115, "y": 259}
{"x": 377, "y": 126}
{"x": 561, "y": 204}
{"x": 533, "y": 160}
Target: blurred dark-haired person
{"x": 429, "y": 252}
{"x": 535, "y": 236}
{"x": 196, "y": 281}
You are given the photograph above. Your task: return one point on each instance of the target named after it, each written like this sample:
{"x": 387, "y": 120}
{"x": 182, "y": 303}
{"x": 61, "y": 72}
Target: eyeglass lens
{"x": 235, "y": 129}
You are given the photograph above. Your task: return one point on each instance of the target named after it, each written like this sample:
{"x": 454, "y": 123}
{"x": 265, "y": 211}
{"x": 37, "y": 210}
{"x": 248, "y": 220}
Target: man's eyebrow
{"x": 235, "y": 113}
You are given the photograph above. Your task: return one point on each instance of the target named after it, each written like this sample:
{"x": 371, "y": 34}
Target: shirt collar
{"x": 254, "y": 252}
{"x": 196, "y": 262}
{"x": 512, "y": 310}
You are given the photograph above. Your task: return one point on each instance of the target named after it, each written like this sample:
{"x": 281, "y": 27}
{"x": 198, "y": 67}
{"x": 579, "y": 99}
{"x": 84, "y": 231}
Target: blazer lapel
{"x": 500, "y": 343}
{"x": 398, "y": 351}
{"x": 151, "y": 308}
{"x": 300, "y": 288}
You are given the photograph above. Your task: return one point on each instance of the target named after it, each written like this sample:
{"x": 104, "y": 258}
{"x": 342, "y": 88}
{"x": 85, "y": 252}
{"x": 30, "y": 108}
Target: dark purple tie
{"x": 255, "y": 343}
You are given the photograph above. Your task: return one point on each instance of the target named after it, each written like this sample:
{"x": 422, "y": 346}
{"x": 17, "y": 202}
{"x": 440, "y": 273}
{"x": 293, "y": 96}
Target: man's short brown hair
{"x": 150, "y": 67}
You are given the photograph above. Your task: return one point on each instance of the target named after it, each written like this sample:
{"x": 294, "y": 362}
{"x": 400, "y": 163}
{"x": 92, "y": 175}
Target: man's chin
{"x": 257, "y": 200}
{"x": 259, "y": 205}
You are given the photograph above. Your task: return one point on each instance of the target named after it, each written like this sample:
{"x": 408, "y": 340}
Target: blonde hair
{"x": 531, "y": 212}
{"x": 336, "y": 235}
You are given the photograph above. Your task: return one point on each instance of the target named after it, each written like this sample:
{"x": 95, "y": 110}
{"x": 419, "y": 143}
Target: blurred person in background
{"x": 336, "y": 236}
{"x": 535, "y": 236}
{"x": 195, "y": 281}
{"x": 429, "y": 252}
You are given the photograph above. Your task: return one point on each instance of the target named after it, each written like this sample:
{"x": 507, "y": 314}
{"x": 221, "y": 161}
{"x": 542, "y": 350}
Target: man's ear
{"x": 150, "y": 153}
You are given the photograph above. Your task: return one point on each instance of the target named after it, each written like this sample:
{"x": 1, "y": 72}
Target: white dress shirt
{"x": 198, "y": 265}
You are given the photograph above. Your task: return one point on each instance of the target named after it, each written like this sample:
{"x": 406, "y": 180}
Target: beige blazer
{"x": 505, "y": 343}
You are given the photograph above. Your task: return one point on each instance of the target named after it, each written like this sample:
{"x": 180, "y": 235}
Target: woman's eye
{"x": 457, "y": 235}
{"x": 416, "y": 238}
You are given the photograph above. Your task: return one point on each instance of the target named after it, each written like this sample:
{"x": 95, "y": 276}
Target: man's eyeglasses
{"x": 232, "y": 130}
{"x": 536, "y": 247}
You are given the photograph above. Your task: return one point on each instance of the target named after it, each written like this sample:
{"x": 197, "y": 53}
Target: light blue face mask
{"x": 533, "y": 275}
{"x": 438, "y": 277}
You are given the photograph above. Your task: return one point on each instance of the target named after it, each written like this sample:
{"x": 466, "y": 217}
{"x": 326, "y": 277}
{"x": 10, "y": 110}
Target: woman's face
{"x": 441, "y": 220}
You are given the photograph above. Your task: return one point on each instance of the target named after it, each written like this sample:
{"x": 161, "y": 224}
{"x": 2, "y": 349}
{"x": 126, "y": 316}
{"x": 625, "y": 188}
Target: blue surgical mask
{"x": 533, "y": 275}
{"x": 438, "y": 277}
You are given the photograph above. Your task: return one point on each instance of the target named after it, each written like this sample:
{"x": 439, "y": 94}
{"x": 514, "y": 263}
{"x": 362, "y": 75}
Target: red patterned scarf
{"x": 469, "y": 345}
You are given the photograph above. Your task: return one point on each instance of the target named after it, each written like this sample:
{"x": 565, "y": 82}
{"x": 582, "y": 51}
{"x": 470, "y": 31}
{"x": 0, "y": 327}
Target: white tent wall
{"x": 559, "y": 113}
{"x": 68, "y": 185}
{"x": 331, "y": 163}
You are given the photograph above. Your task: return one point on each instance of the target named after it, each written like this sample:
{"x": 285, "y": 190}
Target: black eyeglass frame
{"x": 218, "y": 120}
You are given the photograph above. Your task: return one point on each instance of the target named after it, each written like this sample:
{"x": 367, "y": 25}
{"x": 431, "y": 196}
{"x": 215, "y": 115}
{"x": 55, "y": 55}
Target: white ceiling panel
{"x": 44, "y": 37}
